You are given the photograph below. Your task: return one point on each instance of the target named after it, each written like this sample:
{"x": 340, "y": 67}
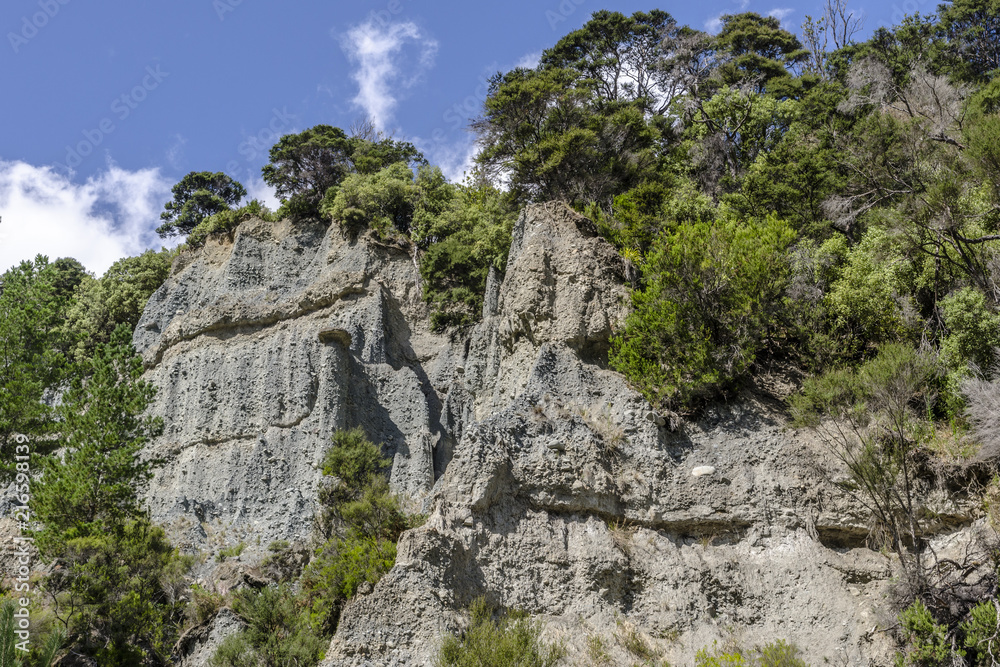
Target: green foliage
{"x": 711, "y": 304}
{"x": 973, "y": 330}
{"x": 383, "y": 201}
{"x": 972, "y": 28}
{"x": 470, "y": 235}
{"x": 756, "y": 49}
{"x": 276, "y": 634}
{"x": 774, "y": 654}
{"x": 94, "y": 486}
{"x": 205, "y": 604}
{"x": 305, "y": 166}
{"x": 232, "y": 551}
{"x": 229, "y": 220}
{"x": 117, "y": 298}
{"x": 638, "y": 216}
{"x": 616, "y": 56}
{"x": 33, "y": 339}
{"x": 360, "y": 523}
{"x": 338, "y": 569}
{"x": 874, "y": 419}
{"x": 561, "y": 135}
{"x": 354, "y": 459}
{"x": 199, "y": 195}
{"x": 117, "y": 591}
{"x": 980, "y": 630}
{"x": 510, "y": 640}
{"x": 864, "y": 302}
{"x": 926, "y": 641}
{"x": 43, "y": 646}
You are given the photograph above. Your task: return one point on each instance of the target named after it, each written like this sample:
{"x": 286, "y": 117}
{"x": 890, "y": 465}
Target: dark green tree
{"x": 756, "y": 50}
{"x": 95, "y": 485}
{"x": 972, "y": 29}
{"x": 33, "y": 300}
{"x": 115, "y": 574}
{"x": 304, "y": 166}
{"x": 197, "y": 196}
{"x": 618, "y": 57}
{"x": 117, "y": 298}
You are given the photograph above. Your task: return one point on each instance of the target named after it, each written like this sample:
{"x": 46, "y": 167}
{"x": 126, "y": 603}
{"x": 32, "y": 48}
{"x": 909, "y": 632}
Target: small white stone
{"x": 703, "y": 470}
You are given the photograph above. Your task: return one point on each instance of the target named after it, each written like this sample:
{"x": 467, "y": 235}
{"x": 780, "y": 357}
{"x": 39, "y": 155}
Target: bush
{"x": 383, "y": 201}
{"x": 926, "y": 641}
{"x": 863, "y": 303}
{"x": 227, "y": 221}
{"x": 973, "y": 330}
{"x": 42, "y": 652}
{"x": 775, "y": 654}
{"x": 712, "y": 303}
{"x": 462, "y": 242}
{"x": 511, "y": 640}
{"x": 874, "y": 419}
{"x": 361, "y": 521}
{"x": 118, "y": 297}
{"x": 276, "y": 634}
{"x": 355, "y": 460}
{"x": 116, "y": 592}
{"x": 337, "y": 571}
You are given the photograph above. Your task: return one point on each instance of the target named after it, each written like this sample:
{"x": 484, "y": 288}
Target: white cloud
{"x": 782, "y": 13}
{"x": 529, "y": 60}
{"x": 714, "y": 25}
{"x": 455, "y": 160}
{"x": 390, "y": 59}
{"x": 111, "y": 216}
{"x": 258, "y": 189}
{"x": 743, "y": 4}
{"x": 175, "y": 152}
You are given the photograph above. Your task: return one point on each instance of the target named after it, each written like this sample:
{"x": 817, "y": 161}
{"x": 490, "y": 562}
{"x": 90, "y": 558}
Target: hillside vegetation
{"x": 806, "y": 201}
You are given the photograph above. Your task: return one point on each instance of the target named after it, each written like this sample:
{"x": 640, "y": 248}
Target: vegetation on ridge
{"x": 785, "y": 204}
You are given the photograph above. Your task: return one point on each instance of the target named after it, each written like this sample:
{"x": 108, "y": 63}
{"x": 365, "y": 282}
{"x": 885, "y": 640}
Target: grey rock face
{"x": 551, "y": 485}
{"x": 200, "y": 643}
{"x": 253, "y": 384}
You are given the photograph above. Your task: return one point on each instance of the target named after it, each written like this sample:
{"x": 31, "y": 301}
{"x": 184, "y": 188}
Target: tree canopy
{"x": 197, "y": 196}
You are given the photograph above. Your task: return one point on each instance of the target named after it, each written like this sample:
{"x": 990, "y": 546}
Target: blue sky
{"x": 108, "y": 104}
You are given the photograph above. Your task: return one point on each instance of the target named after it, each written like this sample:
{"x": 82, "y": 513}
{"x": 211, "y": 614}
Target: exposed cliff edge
{"x": 551, "y": 486}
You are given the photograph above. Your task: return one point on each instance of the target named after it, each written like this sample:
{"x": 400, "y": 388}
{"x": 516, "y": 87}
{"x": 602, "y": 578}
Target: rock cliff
{"x": 551, "y": 486}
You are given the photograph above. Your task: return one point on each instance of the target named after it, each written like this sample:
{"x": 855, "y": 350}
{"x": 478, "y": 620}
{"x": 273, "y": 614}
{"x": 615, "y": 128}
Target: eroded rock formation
{"x": 551, "y": 485}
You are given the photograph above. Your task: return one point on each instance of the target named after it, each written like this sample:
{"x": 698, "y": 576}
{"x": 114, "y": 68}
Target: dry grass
{"x": 982, "y": 399}
{"x": 630, "y": 639}
{"x": 622, "y": 534}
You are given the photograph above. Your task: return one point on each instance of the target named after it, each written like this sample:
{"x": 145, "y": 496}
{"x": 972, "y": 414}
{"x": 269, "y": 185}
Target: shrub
{"x": 361, "y": 521}
{"x": 711, "y": 304}
{"x": 276, "y": 634}
{"x": 383, "y": 201}
{"x": 973, "y": 330}
{"x": 863, "y": 302}
{"x": 43, "y": 647}
{"x": 874, "y": 419}
{"x": 204, "y": 605}
{"x": 926, "y": 641}
{"x": 511, "y": 640}
{"x": 227, "y": 221}
{"x": 462, "y": 242}
{"x": 354, "y": 459}
{"x": 118, "y": 297}
{"x": 115, "y": 592}
{"x": 232, "y": 551}
{"x": 339, "y": 567}
{"x": 980, "y": 630}
{"x": 774, "y": 654}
